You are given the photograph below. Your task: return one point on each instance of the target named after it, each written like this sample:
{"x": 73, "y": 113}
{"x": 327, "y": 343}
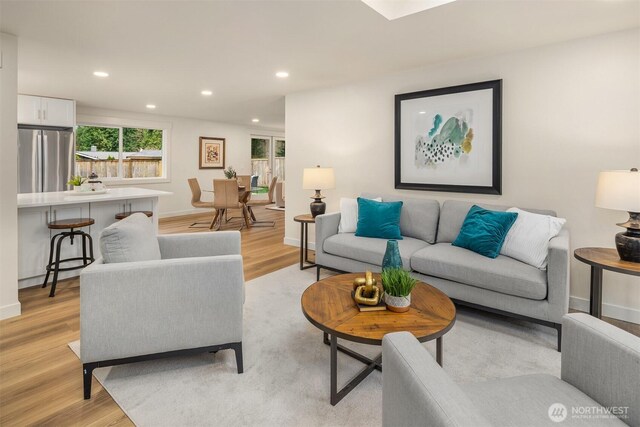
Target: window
{"x": 120, "y": 152}
{"x": 260, "y": 148}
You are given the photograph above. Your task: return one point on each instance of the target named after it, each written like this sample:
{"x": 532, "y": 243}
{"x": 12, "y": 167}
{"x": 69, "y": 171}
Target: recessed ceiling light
{"x": 101, "y": 74}
{"x": 282, "y": 74}
{"x": 206, "y": 93}
{"x": 255, "y": 120}
{"x": 151, "y": 106}
{"x": 422, "y": 112}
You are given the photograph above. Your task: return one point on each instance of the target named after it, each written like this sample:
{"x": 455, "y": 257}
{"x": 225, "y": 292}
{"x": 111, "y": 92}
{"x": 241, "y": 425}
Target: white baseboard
{"x": 296, "y": 242}
{"x": 180, "y": 213}
{"x": 10, "y": 310}
{"x": 619, "y": 312}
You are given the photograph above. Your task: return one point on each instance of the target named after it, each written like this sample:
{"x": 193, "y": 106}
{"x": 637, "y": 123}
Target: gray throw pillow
{"x": 129, "y": 240}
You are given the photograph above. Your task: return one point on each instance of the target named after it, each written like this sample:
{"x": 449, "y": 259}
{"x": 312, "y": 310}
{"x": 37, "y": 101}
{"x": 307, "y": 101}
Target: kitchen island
{"x": 35, "y": 210}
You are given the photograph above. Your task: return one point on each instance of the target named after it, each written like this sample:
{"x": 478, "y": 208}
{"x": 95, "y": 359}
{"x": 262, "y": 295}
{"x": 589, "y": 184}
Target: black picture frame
{"x": 496, "y": 137}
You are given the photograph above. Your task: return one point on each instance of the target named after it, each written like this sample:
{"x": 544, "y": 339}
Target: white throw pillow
{"x": 349, "y": 214}
{"x": 528, "y": 238}
{"x": 131, "y": 239}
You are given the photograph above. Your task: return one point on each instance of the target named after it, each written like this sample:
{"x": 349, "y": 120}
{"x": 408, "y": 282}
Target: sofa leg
{"x": 317, "y": 273}
{"x": 559, "y": 329}
{"x": 87, "y": 376}
{"x": 238, "y": 349}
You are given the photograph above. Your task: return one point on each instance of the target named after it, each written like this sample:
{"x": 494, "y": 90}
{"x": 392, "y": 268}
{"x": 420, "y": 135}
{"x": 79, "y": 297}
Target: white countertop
{"x": 31, "y": 200}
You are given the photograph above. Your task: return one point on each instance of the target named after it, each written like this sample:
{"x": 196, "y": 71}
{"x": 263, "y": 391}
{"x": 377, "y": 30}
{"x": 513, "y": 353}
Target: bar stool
{"x": 123, "y": 215}
{"x": 71, "y": 225}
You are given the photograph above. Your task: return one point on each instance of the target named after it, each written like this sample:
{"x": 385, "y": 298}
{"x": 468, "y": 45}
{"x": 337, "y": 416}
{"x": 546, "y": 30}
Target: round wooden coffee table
{"x": 328, "y": 305}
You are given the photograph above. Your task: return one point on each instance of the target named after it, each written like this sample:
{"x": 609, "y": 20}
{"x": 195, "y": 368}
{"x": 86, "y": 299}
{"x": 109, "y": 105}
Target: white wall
{"x": 183, "y": 153}
{"x": 569, "y": 111}
{"x": 9, "y": 305}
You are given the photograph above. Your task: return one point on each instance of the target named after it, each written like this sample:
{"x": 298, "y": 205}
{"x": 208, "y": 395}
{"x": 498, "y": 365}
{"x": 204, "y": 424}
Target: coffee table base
{"x": 372, "y": 365}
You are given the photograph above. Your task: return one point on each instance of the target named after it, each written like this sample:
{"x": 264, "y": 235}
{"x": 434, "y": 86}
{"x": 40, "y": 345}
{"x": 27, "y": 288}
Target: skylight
{"x": 394, "y": 9}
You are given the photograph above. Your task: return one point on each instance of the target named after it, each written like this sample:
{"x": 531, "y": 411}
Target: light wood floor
{"x": 40, "y": 378}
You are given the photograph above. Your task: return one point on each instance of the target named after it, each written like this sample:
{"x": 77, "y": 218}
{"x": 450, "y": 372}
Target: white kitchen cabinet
{"x": 29, "y": 110}
{"x": 33, "y": 244}
{"x": 58, "y": 112}
{"x": 38, "y": 110}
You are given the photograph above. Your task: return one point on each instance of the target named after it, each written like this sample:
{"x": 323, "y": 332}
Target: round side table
{"x": 304, "y": 221}
{"x": 603, "y": 259}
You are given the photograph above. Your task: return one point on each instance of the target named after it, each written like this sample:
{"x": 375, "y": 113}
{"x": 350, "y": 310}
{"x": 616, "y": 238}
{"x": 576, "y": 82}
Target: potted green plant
{"x": 76, "y": 182}
{"x": 397, "y": 284}
{"x": 230, "y": 172}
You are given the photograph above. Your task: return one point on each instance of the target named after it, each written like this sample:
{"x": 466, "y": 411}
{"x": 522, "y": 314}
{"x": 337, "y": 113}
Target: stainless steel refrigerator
{"x": 46, "y": 159}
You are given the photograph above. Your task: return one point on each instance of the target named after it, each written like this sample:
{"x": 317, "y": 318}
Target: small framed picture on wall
{"x": 211, "y": 153}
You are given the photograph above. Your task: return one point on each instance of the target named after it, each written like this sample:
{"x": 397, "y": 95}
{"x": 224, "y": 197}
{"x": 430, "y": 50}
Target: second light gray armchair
{"x": 599, "y": 385}
{"x": 188, "y": 301}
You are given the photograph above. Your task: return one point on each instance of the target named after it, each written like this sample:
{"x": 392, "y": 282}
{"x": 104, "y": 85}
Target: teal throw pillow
{"x": 483, "y": 231}
{"x": 378, "y": 219}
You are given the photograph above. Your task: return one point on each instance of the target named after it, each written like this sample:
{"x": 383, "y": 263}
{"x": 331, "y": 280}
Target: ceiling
{"x": 166, "y": 52}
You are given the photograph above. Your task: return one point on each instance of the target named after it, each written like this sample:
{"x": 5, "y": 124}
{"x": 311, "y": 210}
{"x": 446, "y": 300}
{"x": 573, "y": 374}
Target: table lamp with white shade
{"x": 318, "y": 179}
{"x": 620, "y": 190}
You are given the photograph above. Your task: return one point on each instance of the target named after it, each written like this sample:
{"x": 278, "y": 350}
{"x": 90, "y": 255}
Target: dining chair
{"x": 280, "y": 194}
{"x": 244, "y": 181}
{"x": 226, "y": 196}
{"x": 263, "y": 202}
{"x": 196, "y": 201}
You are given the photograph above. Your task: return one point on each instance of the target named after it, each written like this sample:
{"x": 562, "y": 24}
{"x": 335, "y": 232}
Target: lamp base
{"x": 628, "y": 243}
{"x": 318, "y": 207}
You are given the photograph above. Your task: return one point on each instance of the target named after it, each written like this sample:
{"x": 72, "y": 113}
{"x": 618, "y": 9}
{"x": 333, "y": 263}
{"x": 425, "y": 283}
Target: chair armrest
{"x": 188, "y": 245}
{"x": 558, "y": 267}
{"x": 417, "y": 391}
{"x": 135, "y": 308}
{"x": 603, "y": 362}
{"x": 326, "y": 226}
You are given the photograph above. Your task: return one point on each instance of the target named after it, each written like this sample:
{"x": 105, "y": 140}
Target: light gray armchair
{"x": 189, "y": 301}
{"x": 600, "y": 371}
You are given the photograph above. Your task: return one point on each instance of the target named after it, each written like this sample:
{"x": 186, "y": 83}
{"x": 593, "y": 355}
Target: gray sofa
{"x": 189, "y": 301}
{"x": 502, "y": 285}
{"x": 600, "y": 369}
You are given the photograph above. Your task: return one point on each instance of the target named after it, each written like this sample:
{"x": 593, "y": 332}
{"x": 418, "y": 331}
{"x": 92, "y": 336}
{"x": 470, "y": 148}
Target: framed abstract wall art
{"x": 449, "y": 139}
{"x": 211, "y": 153}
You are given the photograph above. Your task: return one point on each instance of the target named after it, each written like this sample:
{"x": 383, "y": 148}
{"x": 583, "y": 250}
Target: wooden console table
{"x": 603, "y": 259}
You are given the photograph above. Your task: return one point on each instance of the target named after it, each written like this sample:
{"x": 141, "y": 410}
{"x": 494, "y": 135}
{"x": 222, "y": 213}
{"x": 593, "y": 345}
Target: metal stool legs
{"x": 55, "y": 265}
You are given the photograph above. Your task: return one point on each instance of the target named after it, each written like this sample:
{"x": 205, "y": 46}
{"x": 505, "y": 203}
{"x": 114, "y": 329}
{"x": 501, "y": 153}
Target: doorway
{"x": 267, "y": 160}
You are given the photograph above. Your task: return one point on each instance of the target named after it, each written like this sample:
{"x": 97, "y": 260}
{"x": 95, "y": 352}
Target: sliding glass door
{"x": 267, "y": 159}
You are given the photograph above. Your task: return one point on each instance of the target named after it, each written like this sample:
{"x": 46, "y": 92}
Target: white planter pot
{"x": 82, "y": 188}
{"x": 397, "y": 304}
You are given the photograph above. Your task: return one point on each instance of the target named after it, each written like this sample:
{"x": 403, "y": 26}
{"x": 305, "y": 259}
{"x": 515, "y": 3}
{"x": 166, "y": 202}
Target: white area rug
{"x": 275, "y": 208}
{"x": 286, "y": 367}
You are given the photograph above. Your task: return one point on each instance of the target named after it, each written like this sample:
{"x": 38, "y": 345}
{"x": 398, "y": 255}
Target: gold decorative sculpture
{"x": 366, "y": 291}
